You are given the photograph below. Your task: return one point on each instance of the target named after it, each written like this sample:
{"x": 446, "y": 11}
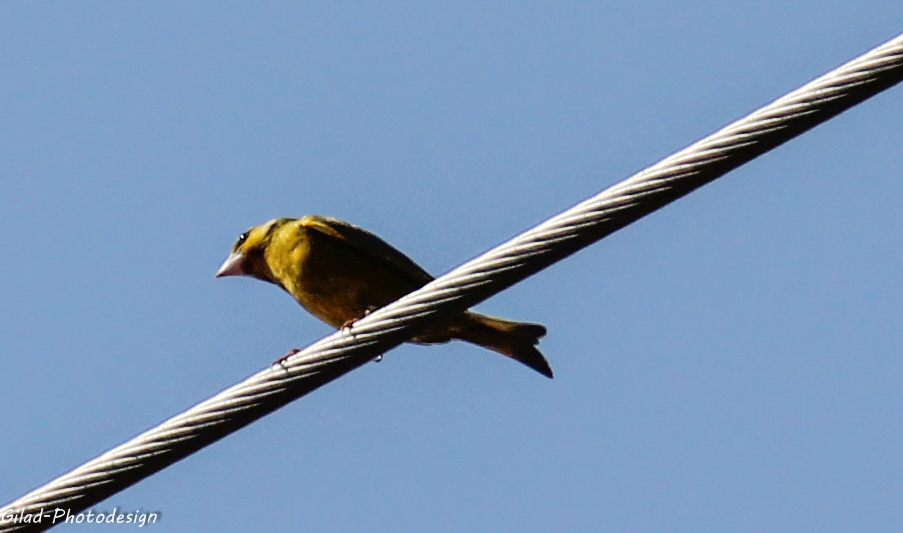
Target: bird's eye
{"x": 241, "y": 239}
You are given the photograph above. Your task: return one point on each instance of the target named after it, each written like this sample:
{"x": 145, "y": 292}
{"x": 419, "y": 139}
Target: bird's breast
{"x": 338, "y": 283}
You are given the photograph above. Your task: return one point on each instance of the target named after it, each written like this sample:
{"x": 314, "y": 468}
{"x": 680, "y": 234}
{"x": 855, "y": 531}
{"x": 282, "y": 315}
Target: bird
{"x": 340, "y": 272}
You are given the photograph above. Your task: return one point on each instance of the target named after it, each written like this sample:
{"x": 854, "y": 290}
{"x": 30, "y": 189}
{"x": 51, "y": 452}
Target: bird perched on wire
{"x": 340, "y": 272}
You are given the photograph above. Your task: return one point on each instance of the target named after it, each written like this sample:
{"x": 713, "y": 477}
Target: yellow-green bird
{"x": 340, "y": 272}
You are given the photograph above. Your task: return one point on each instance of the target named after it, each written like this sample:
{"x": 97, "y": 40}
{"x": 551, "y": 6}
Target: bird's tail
{"x": 517, "y": 340}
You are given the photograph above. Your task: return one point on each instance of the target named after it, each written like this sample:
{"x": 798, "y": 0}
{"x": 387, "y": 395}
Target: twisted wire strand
{"x": 470, "y": 283}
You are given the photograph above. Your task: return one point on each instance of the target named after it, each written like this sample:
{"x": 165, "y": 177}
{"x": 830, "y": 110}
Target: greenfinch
{"x": 340, "y": 272}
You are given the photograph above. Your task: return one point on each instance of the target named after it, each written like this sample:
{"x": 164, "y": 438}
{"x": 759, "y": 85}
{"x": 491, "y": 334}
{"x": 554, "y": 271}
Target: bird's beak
{"x": 231, "y": 266}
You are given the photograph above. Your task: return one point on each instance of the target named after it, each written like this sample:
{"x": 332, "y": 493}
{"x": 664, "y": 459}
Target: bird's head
{"x": 248, "y": 253}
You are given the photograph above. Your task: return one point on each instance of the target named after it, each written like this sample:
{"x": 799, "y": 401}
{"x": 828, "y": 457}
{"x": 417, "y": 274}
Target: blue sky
{"x": 730, "y": 363}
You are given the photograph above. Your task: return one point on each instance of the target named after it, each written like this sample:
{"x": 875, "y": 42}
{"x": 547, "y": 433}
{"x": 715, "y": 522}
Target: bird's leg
{"x": 282, "y": 359}
{"x": 346, "y": 327}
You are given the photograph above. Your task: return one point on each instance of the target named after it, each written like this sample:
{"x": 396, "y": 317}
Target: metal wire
{"x": 463, "y": 287}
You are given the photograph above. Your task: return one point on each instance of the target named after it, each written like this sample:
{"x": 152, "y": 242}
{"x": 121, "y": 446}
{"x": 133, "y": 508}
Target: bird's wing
{"x": 369, "y": 244}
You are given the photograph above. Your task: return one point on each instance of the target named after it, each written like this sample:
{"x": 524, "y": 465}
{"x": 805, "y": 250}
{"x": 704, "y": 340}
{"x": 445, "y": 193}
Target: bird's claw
{"x": 346, "y": 327}
{"x": 285, "y": 357}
